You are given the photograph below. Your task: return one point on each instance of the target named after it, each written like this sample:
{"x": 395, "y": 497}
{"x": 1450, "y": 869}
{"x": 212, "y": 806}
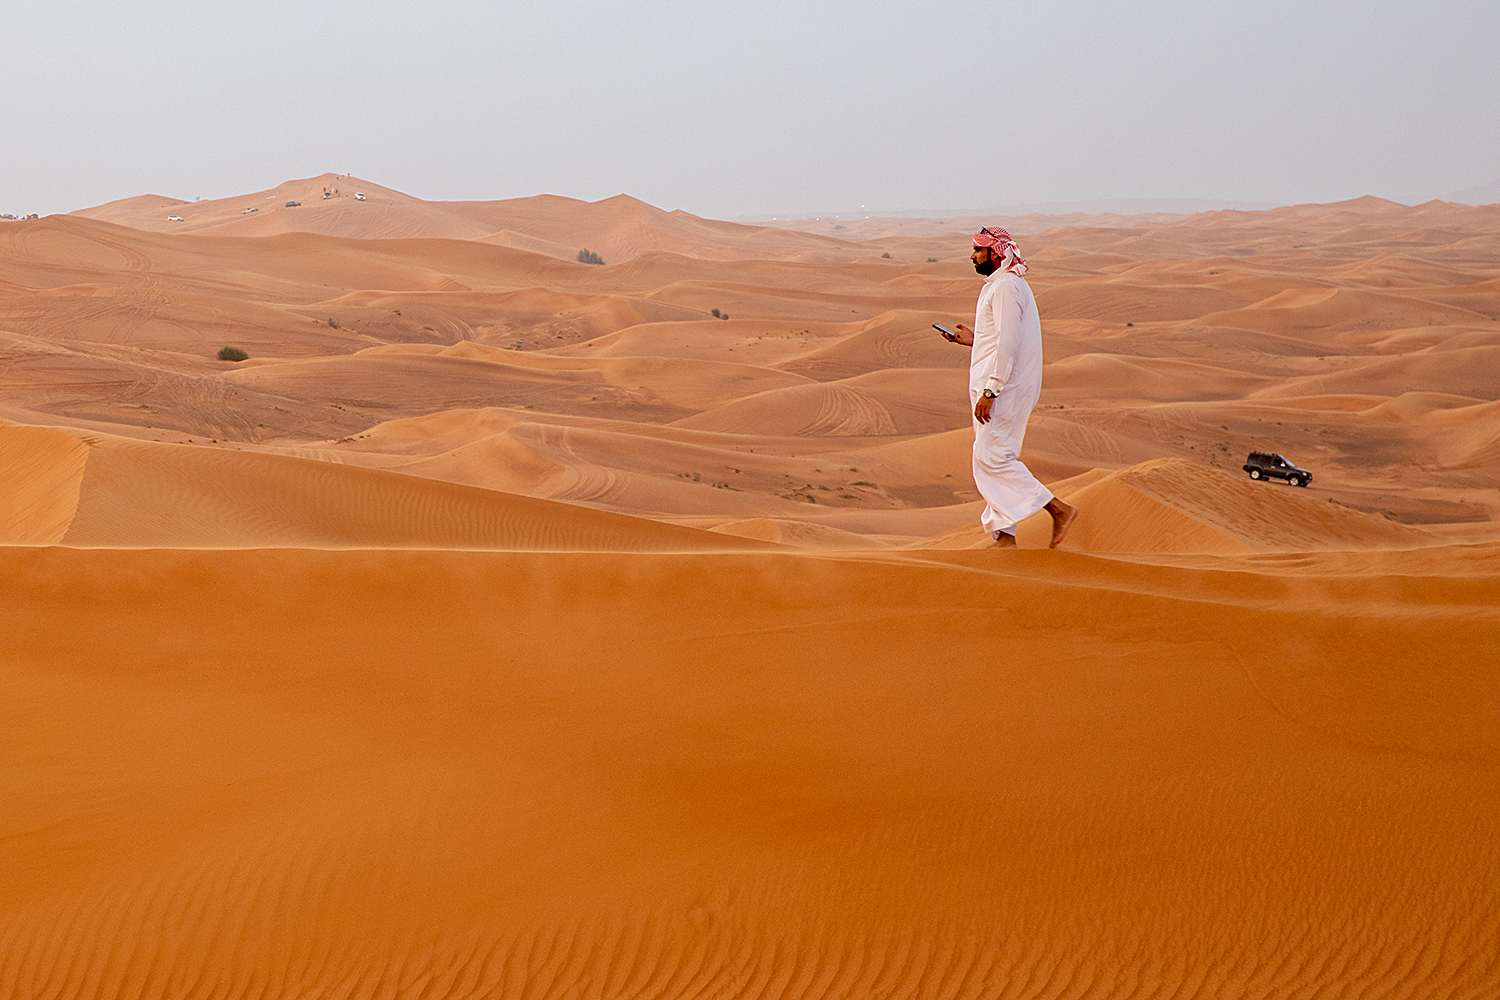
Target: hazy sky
{"x": 727, "y": 110}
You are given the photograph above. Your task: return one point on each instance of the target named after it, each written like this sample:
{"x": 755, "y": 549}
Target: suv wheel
{"x": 1294, "y": 480}
{"x": 1254, "y": 473}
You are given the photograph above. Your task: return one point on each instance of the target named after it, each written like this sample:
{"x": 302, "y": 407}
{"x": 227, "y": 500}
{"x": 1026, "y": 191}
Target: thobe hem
{"x": 1011, "y": 493}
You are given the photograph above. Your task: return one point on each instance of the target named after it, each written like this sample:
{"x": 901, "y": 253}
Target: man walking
{"x": 1005, "y": 379}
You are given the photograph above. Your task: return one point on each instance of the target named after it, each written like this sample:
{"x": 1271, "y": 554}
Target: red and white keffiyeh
{"x": 999, "y": 241}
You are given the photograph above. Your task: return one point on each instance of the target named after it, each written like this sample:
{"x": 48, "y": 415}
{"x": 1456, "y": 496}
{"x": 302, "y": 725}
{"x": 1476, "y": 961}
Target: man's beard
{"x": 985, "y": 267}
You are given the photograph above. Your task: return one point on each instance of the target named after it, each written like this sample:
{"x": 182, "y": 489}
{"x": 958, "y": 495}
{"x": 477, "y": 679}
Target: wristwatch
{"x": 988, "y": 394}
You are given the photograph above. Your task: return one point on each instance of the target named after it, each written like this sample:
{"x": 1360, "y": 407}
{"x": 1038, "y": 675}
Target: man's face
{"x": 984, "y": 260}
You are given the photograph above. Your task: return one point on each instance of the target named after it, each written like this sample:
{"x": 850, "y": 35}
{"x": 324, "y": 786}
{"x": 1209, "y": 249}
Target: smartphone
{"x": 940, "y": 328}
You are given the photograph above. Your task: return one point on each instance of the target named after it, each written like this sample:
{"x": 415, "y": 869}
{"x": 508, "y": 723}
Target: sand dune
{"x": 876, "y": 405}
{"x": 1261, "y": 324}
{"x": 1194, "y": 338}
{"x": 1174, "y": 506}
{"x": 98, "y": 492}
{"x": 417, "y": 784}
{"x": 512, "y": 626}
{"x": 618, "y": 228}
{"x": 1170, "y": 505}
{"x": 1105, "y": 376}
{"x": 1459, "y": 372}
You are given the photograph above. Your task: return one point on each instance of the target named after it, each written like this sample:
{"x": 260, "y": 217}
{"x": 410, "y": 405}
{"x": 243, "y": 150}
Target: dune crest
{"x": 799, "y": 533}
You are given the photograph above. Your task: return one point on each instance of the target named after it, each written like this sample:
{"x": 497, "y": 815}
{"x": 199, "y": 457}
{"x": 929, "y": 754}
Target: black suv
{"x": 1269, "y": 465}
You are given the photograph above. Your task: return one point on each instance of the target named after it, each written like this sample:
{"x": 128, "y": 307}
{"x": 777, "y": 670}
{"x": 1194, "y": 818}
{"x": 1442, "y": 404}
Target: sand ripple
{"x": 363, "y": 774}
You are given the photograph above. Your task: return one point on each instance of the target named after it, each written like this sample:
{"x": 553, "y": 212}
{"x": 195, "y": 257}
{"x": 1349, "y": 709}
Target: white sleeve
{"x": 1007, "y": 313}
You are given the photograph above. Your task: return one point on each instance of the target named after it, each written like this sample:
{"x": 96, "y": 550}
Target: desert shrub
{"x": 932, "y": 260}
{"x": 232, "y": 354}
{"x": 333, "y": 322}
{"x": 885, "y": 256}
{"x": 714, "y": 313}
{"x": 587, "y": 256}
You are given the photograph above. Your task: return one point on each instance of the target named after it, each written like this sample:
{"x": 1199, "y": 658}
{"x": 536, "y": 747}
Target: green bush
{"x": 587, "y": 256}
{"x": 232, "y": 354}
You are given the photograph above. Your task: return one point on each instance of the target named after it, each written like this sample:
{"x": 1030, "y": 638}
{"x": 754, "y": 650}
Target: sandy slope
{"x": 509, "y": 626}
{"x": 41, "y": 471}
{"x": 144, "y": 494}
{"x": 300, "y": 773}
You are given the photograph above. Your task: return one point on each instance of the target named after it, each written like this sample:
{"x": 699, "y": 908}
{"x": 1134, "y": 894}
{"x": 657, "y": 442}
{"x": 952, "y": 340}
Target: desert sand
{"x": 491, "y": 632}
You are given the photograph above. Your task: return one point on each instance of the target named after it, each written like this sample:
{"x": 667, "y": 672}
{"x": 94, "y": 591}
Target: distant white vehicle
{"x": 327, "y": 195}
{"x": 247, "y": 211}
{"x": 294, "y": 204}
{"x": 174, "y": 218}
{"x": 358, "y": 196}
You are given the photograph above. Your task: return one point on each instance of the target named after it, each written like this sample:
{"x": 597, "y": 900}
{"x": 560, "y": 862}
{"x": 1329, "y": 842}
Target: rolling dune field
{"x": 490, "y": 632}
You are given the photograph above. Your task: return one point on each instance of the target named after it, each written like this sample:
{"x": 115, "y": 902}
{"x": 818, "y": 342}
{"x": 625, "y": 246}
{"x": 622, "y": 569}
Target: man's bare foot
{"x": 1004, "y": 541}
{"x": 1063, "y": 516}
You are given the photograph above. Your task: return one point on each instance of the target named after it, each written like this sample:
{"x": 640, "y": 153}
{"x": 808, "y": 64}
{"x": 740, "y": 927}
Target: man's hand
{"x": 982, "y": 409}
{"x": 962, "y": 335}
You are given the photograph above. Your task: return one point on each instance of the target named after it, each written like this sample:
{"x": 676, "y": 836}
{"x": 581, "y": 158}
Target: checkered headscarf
{"x": 999, "y": 241}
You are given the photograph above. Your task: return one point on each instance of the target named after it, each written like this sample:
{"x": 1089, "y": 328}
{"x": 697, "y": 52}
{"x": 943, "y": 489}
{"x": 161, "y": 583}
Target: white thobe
{"x": 1007, "y": 359}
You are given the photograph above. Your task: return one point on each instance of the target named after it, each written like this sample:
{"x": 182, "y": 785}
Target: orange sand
{"x": 492, "y": 632}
